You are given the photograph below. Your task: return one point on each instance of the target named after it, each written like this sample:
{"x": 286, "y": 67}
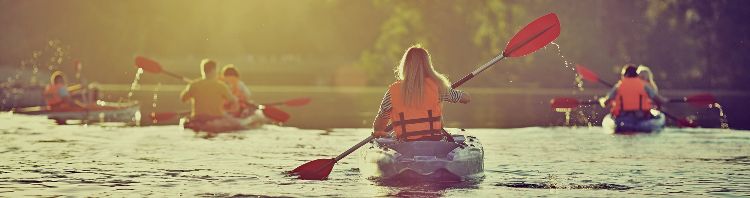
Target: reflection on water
{"x": 42, "y": 159}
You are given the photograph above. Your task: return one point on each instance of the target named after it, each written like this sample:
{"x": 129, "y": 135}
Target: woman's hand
{"x": 465, "y": 98}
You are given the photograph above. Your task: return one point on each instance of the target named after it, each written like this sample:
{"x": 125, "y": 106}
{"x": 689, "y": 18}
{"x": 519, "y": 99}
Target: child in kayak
{"x": 207, "y": 96}
{"x": 231, "y": 77}
{"x": 631, "y": 96}
{"x": 413, "y": 104}
{"x": 57, "y": 96}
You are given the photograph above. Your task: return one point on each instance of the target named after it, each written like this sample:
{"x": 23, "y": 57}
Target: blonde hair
{"x": 645, "y": 72}
{"x": 415, "y": 65}
{"x": 57, "y": 75}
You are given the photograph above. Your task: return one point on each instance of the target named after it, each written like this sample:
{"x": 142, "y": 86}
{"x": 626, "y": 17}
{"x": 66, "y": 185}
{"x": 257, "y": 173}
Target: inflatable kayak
{"x": 255, "y": 120}
{"x": 100, "y": 112}
{"x": 631, "y": 124}
{"x": 424, "y": 160}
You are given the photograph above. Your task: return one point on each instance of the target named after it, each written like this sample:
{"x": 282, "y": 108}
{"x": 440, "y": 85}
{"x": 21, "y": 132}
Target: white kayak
{"x": 388, "y": 158}
{"x": 631, "y": 124}
{"x": 102, "y": 111}
{"x": 253, "y": 121}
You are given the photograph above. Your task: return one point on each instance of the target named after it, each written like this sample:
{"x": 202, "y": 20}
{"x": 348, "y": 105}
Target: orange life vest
{"x": 418, "y": 120}
{"x": 234, "y": 86}
{"x": 52, "y": 95}
{"x": 631, "y": 96}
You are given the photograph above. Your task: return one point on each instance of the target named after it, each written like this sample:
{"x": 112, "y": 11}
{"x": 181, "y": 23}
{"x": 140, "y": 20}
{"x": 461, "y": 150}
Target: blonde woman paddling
{"x": 413, "y": 104}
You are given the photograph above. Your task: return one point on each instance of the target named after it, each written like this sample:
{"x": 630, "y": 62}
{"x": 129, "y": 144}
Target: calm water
{"x": 39, "y": 158}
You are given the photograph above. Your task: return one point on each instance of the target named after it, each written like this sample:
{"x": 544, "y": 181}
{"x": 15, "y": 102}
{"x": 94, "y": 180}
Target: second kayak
{"x": 101, "y": 111}
{"x": 256, "y": 120}
{"x": 630, "y": 124}
{"x": 459, "y": 160}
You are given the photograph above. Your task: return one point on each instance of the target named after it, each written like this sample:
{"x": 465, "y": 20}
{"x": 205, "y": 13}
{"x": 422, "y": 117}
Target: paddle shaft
{"x": 477, "y": 71}
{"x": 354, "y": 148}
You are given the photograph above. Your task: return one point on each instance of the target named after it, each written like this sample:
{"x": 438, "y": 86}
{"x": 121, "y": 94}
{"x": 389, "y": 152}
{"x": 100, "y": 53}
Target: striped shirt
{"x": 452, "y": 96}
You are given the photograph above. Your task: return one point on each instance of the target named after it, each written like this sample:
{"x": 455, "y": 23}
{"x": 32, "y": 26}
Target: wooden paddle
{"x": 589, "y": 75}
{"x": 534, "y": 36}
{"x": 154, "y": 67}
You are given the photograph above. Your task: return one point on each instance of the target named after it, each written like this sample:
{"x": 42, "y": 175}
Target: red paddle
{"x": 535, "y": 35}
{"x": 591, "y": 76}
{"x": 292, "y": 102}
{"x": 154, "y": 67}
{"x": 698, "y": 100}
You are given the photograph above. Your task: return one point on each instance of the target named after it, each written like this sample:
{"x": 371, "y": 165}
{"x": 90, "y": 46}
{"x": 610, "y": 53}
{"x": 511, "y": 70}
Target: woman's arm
{"x": 383, "y": 117}
{"x": 456, "y": 96}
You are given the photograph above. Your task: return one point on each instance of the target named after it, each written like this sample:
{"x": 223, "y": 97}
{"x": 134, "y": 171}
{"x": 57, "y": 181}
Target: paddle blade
{"x": 275, "y": 114}
{"x": 315, "y": 170}
{"x": 147, "y": 64}
{"x": 701, "y": 100}
{"x": 298, "y": 102}
{"x": 535, "y": 35}
{"x": 564, "y": 103}
{"x": 586, "y": 74}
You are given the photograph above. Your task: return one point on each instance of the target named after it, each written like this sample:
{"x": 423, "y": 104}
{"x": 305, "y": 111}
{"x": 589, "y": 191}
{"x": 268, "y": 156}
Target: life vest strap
{"x": 424, "y": 132}
{"x": 402, "y": 122}
{"x": 429, "y": 119}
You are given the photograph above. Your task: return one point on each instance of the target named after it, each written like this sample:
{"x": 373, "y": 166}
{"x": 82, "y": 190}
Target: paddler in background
{"x": 208, "y": 96}
{"x": 231, "y": 77}
{"x": 57, "y": 95}
{"x": 413, "y": 104}
{"x": 632, "y": 96}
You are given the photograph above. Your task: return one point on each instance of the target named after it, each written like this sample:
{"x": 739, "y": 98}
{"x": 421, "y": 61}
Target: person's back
{"x": 56, "y": 94}
{"x": 631, "y": 95}
{"x": 208, "y": 94}
{"x": 208, "y": 97}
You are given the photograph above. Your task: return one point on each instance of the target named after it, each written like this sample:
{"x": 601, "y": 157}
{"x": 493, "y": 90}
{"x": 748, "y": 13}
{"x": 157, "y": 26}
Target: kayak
{"x": 99, "y": 112}
{"x": 389, "y": 158}
{"x": 631, "y": 124}
{"x": 253, "y": 121}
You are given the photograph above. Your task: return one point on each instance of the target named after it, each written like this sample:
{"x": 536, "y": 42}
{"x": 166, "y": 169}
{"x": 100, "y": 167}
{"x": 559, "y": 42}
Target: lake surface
{"x": 43, "y": 159}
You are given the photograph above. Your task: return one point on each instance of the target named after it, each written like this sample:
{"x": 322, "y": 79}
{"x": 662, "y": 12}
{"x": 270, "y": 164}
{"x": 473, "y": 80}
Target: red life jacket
{"x": 419, "y": 120}
{"x": 52, "y": 95}
{"x": 631, "y": 96}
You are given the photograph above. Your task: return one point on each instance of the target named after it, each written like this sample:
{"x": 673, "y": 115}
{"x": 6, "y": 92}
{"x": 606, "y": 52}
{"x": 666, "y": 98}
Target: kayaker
{"x": 413, "y": 104}
{"x": 208, "y": 96}
{"x": 631, "y": 96}
{"x": 231, "y": 77}
{"x": 56, "y": 94}
{"x": 646, "y": 75}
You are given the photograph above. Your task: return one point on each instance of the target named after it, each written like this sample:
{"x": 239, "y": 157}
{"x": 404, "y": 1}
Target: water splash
{"x": 578, "y": 81}
{"x": 568, "y": 64}
{"x": 154, "y": 100}
{"x": 722, "y": 116}
{"x": 135, "y": 86}
{"x": 567, "y": 114}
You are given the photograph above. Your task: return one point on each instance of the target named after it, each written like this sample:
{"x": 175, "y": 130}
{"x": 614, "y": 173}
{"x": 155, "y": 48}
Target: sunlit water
{"x": 39, "y": 158}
